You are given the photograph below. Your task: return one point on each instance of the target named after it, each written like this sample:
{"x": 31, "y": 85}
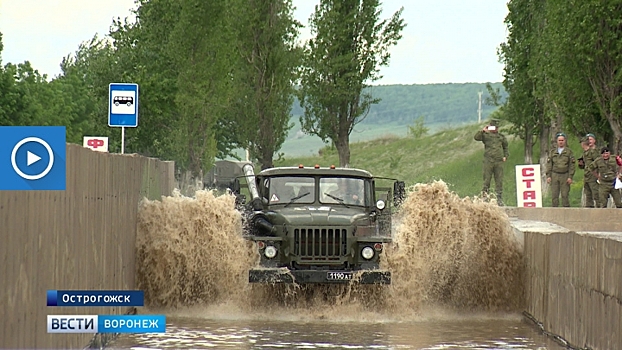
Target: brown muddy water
{"x": 456, "y": 283}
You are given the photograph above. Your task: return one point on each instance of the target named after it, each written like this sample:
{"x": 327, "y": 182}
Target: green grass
{"x": 299, "y": 144}
{"x": 450, "y": 155}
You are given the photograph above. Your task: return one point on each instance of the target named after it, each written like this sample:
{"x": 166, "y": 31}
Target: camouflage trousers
{"x": 606, "y": 189}
{"x": 559, "y": 185}
{"x": 592, "y": 196}
{"x": 493, "y": 168}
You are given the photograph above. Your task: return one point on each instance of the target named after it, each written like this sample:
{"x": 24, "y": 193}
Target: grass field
{"x": 450, "y": 155}
{"x": 300, "y": 144}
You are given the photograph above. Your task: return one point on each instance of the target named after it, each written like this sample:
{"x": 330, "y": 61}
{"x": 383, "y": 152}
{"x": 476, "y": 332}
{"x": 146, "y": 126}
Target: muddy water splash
{"x": 190, "y": 251}
{"x": 459, "y": 252}
{"x": 447, "y": 251}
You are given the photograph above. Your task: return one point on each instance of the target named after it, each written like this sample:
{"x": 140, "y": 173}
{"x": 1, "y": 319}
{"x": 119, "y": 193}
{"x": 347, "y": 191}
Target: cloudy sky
{"x": 445, "y": 41}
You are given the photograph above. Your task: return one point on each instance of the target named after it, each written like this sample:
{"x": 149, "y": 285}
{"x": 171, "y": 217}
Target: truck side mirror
{"x": 399, "y": 192}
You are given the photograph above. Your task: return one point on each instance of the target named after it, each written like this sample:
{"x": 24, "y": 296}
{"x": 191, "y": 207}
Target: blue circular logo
{"x": 32, "y": 158}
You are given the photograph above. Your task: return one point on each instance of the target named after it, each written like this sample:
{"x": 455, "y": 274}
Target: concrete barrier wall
{"x": 575, "y": 219}
{"x": 574, "y": 286}
{"x": 80, "y": 238}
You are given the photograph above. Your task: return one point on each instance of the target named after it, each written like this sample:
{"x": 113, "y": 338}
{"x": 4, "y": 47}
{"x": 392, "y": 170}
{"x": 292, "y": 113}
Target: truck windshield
{"x": 285, "y": 189}
{"x": 349, "y": 191}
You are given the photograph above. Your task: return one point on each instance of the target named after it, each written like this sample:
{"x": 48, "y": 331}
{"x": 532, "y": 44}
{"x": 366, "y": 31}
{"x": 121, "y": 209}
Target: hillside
{"x": 451, "y": 155}
{"x": 441, "y": 105}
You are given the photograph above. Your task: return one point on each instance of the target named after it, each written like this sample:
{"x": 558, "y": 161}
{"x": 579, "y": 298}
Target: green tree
{"x": 267, "y": 73}
{"x": 184, "y": 58}
{"x": 200, "y": 45}
{"x": 524, "y": 109}
{"x": 585, "y": 39}
{"x": 418, "y": 128}
{"x": 177, "y": 55}
{"x": 350, "y": 44}
{"x": 84, "y": 85}
{"x": 10, "y": 97}
{"x": 11, "y": 101}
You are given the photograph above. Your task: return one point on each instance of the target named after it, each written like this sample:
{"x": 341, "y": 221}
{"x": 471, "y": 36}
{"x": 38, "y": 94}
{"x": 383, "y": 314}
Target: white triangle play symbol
{"x": 31, "y": 158}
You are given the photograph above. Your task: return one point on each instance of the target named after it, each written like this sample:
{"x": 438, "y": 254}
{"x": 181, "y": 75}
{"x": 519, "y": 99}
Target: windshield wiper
{"x": 295, "y": 199}
{"x": 340, "y": 200}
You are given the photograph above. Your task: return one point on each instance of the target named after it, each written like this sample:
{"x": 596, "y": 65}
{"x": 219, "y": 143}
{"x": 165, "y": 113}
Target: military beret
{"x": 560, "y": 134}
{"x": 590, "y": 135}
{"x": 604, "y": 149}
{"x": 494, "y": 122}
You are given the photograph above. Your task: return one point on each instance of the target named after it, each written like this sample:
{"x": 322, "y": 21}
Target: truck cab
{"x": 319, "y": 225}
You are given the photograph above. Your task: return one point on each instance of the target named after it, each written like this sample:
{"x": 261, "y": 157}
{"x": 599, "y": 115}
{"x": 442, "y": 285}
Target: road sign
{"x": 528, "y": 186}
{"x": 123, "y": 105}
{"x": 97, "y": 143}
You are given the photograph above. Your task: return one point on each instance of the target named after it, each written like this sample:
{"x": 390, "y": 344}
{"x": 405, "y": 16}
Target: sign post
{"x": 123, "y": 107}
{"x": 528, "y": 186}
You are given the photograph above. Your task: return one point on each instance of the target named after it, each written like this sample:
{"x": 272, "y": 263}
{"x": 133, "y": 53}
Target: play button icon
{"x": 31, "y": 158}
{"x": 35, "y": 149}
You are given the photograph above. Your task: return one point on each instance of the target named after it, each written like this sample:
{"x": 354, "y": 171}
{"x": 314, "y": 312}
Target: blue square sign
{"x": 123, "y": 105}
{"x": 32, "y": 158}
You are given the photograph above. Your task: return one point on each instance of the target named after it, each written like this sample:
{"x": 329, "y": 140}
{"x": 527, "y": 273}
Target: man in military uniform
{"x": 590, "y": 186}
{"x": 495, "y": 154}
{"x": 592, "y": 141}
{"x": 606, "y": 169}
{"x": 560, "y": 170}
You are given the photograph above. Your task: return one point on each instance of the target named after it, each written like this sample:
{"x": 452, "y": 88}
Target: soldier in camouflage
{"x": 606, "y": 169}
{"x": 590, "y": 186}
{"x": 560, "y": 170}
{"x": 592, "y": 141}
{"x": 495, "y": 154}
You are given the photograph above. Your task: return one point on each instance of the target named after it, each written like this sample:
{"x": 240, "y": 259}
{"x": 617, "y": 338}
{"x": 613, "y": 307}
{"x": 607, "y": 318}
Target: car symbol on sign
{"x": 123, "y": 100}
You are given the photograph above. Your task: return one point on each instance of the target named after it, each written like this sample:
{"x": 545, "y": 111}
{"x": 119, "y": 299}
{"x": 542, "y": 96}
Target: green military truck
{"x": 222, "y": 174}
{"x": 318, "y": 225}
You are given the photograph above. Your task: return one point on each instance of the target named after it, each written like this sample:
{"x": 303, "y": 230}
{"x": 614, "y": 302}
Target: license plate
{"x": 339, "y": 276}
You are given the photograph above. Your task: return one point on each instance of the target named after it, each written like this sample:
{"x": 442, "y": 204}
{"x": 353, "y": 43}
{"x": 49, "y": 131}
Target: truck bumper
{"x": 284, "y": 275}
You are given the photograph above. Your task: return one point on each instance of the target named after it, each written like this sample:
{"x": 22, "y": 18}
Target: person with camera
{"x": 560, "y": 170}
{"x": 607, "y": 170}
{"x": 590, "y": 186}
{"x": 495, "y": 154}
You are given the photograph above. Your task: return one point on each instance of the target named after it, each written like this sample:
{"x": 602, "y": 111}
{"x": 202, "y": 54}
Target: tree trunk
{"x": 194, "y": 157}
{"x": 545, "y": 146}
{"x": 265, "y": 158}
{"x": 614, "y": 123}
{"x": 343, "y": 149}
{"x": 528, "y": 145}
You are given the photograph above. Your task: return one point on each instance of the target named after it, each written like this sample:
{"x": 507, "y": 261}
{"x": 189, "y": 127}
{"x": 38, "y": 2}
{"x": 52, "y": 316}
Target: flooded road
{"x": 457, "y": 283}
{"x": 439, "y": 332}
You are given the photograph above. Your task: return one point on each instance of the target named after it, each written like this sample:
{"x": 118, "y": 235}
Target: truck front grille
{"x": 320, "y": 243}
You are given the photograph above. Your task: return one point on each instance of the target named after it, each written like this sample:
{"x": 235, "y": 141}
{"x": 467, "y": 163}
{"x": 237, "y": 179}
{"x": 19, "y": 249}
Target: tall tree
{"x": 524, "y": 109}
{"x": 11, "y": 102}
{"x": 141, "y": 55}
{"x": 184, "y": 59}
{"x": 584, "y": 50}
{"x": 84, "y": 80}
{"x": 267, "y": 74}
{"x": 200, "y": 47}
{"x": 350, "y": 44}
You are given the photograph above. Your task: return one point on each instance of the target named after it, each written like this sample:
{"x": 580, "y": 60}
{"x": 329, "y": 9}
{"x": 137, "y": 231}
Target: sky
{"x": 444, "y": 41}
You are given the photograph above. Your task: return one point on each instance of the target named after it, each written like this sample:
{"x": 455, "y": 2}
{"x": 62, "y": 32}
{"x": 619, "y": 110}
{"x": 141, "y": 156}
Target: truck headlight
{"x": 380, "y": 204}
{"x": 367, "y": 253}
{"x": 270, "y": 252}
